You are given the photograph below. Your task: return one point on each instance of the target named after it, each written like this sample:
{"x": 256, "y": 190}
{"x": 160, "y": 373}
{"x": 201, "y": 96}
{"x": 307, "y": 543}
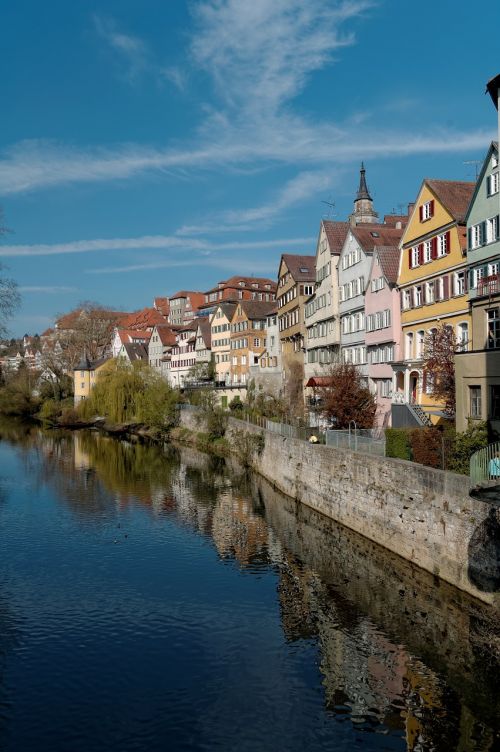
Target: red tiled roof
{"x": 166, "y": 335}
{"x": 319, "y": 381}
{"x": 371, "y": 236}
{"x": 302, "y": 268}
{"x": 69, "y": 320}
{"x": 336, "y": 233}
{"x": 234, "y": 283}
{"x": 205, "y": 329}
{"x": 454, "y": 195}
{"x": 392, "y": 219}
{"x": 131, "y": 335}
{"x": 162, "y": 305}
{"x": 144, "y": 319}
{"x": 389, "y": 262}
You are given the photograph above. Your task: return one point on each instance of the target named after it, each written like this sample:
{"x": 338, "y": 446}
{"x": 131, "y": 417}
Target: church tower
{"x": 363, "y": 204}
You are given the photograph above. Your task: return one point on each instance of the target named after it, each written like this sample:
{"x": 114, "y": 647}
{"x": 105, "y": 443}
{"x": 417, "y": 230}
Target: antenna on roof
{"x": 331, "y": 213}
{"x": 476, "y": 163}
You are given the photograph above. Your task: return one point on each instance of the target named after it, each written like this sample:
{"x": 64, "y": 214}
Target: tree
{"x": 439, "y": 365}
{"x": 346, "y": 398}
{"x": 87, "y": 329}
{"x": 10, "y": 299}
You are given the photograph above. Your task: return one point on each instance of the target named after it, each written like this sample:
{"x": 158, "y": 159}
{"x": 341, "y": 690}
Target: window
{"x": 475, "y": 401}
{"x": 417, "y": 292}
{"x": 429, "y": 292}
{"x": 385, "y": 387}
{"x": 463, "y": 336}
{"x": 256, "y": 342}
{"x": 476, "y": 235}
{"x": 415, "y": 256}
{"x": 492, "y": 184}
{"x": 409, "y": 346}
{"x": 420, "y": 344}
{"x": 443, "y": 244}
{"x": 426, "y": 211}
{"x": 427, "y": 251}
{"x": 459, "y": 283}
{"x": 495, "y": 402}
{"x": 406, "y": 299}
{"x": 492, "y": 229}
{"x": 493, "y": 328}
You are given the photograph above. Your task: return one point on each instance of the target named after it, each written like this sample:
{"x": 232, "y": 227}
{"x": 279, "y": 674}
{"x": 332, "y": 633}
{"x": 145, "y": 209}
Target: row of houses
{"x": 371, "y": 295}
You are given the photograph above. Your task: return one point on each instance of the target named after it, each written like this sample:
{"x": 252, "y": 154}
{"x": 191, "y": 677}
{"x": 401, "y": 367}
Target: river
{"x": 159, "y": 599}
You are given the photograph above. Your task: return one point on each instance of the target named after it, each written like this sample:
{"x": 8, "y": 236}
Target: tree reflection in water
{"x": 399, "y": 652}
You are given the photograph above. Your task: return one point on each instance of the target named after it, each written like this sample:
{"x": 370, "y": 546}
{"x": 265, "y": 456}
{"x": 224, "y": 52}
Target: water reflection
{"x": 401, "y": 661}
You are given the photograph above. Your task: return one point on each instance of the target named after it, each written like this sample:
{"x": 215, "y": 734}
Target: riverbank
{"x": 424, "y": 515}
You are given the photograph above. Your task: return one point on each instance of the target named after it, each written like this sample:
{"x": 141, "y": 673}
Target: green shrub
{"x": 397, "y": 443}
{"x": 464, "y": 446}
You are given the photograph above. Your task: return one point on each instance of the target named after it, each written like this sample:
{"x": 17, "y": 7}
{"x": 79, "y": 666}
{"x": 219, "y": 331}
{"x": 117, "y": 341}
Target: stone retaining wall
{"x": 422, "y": 514}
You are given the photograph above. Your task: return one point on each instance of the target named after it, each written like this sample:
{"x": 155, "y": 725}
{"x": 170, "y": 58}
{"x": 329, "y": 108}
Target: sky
{"x": 149, "y": 146}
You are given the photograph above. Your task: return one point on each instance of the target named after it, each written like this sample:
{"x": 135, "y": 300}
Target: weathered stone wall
{"x": 422, "y": 514}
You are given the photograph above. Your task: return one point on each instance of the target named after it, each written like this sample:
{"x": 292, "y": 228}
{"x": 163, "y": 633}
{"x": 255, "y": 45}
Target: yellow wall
{"x": 84, "y": 381}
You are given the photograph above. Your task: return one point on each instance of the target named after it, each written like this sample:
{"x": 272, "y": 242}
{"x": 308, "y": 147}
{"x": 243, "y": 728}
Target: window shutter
{"x": 446, "y": 287}
{"x": 469, "y": 238}
{"x": 434, "y": 247}
{"x": 421, "y": 213}
{"x": 431, "y": 207}
{"x": 435, "y": 283}
{"x": 483, "y": 233}
{"x": 488, "y": 185}
{"x": 466, "y": 280}
{"x": 421, "y": 253}
{"x": 448, "y": 242}
{"x": 409, "y": 258}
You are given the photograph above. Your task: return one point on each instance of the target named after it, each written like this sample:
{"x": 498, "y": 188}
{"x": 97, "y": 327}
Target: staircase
{"x": 420, "y": 415}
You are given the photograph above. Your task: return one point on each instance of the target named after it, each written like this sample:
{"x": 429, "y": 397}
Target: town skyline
{"x": 175, "y": 147}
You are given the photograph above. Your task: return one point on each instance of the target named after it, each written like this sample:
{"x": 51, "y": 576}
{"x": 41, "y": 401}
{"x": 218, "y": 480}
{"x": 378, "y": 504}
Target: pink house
{"x": 383, "y": 328}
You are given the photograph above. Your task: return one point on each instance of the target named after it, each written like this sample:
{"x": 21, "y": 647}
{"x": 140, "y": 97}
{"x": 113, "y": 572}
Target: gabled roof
{"x": 257, "y": 309}
{"x": 454, "y": 195}
{"x": 234, "y": 282}
{"x": 372, "y": 236}
{"x": 143, "y": 319}
{"x": 391, "y": 220}
{"x": 493, "y": 147}
{"x": 166, "y": 335}
{"x": 131, "y": 335}
{"x": 162, "y": 305}
{"x": 205, "y": 331}
{"x": 135, "y": 351}
{"x": 492, "y": 88}
{"x": 227, "y": 309}
{"x": 302, "y": 268}
{"x": 86, "y": 364}
{"x": 336, "y": 233}
{"x": 389, "y": 262}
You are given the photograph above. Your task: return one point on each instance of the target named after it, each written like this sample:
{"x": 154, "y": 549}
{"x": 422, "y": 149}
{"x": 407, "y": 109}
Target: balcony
{"x": 486, "y": 287}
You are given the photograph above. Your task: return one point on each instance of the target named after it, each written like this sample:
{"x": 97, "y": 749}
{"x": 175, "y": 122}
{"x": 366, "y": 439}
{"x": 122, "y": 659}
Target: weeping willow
{"x": 131, "y": 393}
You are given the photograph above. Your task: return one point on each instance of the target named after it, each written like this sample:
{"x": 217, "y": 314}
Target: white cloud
{"x": 151, "y": 242}
{"x": 259, "y": 55}
{"x": 49, "y": 290}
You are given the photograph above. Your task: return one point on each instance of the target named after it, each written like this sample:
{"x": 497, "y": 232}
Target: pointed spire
{"x": 363, "y": 188}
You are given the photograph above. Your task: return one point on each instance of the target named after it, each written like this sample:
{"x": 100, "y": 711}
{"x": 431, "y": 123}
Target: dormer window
{"x": 375, "y": 234}
{"x": 426, "y": 210}
{"x": 241, "y": 283}
{"x": 303, "y": 270}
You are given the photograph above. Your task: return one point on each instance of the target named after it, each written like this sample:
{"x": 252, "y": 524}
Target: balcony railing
{"x": 486, "y": 286}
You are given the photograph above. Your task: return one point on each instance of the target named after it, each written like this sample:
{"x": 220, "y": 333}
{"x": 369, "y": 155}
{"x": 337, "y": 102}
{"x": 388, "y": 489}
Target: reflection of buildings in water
{"x": 238, "y": 531}
{"x": 80, "y": 457}
{"x": 373, "y": 613}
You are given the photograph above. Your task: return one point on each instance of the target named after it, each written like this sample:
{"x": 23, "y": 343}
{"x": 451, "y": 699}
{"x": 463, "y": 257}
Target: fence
{"x": 362, "y": 440}
{"x": 485, "y": 465}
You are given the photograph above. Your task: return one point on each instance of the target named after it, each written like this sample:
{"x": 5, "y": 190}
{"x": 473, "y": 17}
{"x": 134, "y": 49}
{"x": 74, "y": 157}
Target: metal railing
{"x": 366, "y": 441}
{"x": 485, "y": 465}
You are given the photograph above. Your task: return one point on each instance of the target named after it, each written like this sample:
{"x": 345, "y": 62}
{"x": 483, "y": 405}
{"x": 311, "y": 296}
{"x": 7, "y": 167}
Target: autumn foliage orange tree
{"x": 440, "y": 346}
{"x": 346, "y": 398}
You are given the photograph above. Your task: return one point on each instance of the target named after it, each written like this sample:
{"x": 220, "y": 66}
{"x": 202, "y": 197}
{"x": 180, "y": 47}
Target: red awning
{"x": 319, "y": 381}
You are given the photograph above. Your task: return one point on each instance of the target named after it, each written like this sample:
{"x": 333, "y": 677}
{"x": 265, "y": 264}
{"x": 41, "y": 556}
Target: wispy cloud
{"x": 151, "y": 242}
{"x": 49, "y": 290}
{"x": 132, "y": 51}
{"x": 258, "y": 56}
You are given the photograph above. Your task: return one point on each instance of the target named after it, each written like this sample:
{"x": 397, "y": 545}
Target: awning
{"x": 319, "y": 381}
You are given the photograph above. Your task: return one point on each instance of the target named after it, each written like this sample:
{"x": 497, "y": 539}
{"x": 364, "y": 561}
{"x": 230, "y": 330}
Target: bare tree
{"x": 440, "y": 347}
{"x": 346, "y": 398}
{"x": 10, "y": 299}
{"x": 88, "y": 329}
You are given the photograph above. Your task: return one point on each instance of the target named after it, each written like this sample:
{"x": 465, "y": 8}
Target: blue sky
{"x": 154, "y": 145}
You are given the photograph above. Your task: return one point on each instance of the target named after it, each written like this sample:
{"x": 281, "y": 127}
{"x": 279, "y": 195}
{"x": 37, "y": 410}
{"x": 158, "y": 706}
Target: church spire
{"x": 363, "y": 188}
{"x": 363, "y": 203}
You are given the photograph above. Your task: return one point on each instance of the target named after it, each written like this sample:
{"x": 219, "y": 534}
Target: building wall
{"x": 354, "y": 305}
{"x": 221, "y": 347}
{"x": 473, "y": 371}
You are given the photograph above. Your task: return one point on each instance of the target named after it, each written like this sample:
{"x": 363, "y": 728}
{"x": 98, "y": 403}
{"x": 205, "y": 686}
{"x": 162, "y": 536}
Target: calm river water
{"x": 159, "y": 600}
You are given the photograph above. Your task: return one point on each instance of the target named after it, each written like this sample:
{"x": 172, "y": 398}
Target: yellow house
{"x": 432, "y": 280}
{"x": 85, "y": 374}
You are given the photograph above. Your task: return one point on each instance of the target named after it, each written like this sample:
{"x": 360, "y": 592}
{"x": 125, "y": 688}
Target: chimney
{"x": 411, "y": 206}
